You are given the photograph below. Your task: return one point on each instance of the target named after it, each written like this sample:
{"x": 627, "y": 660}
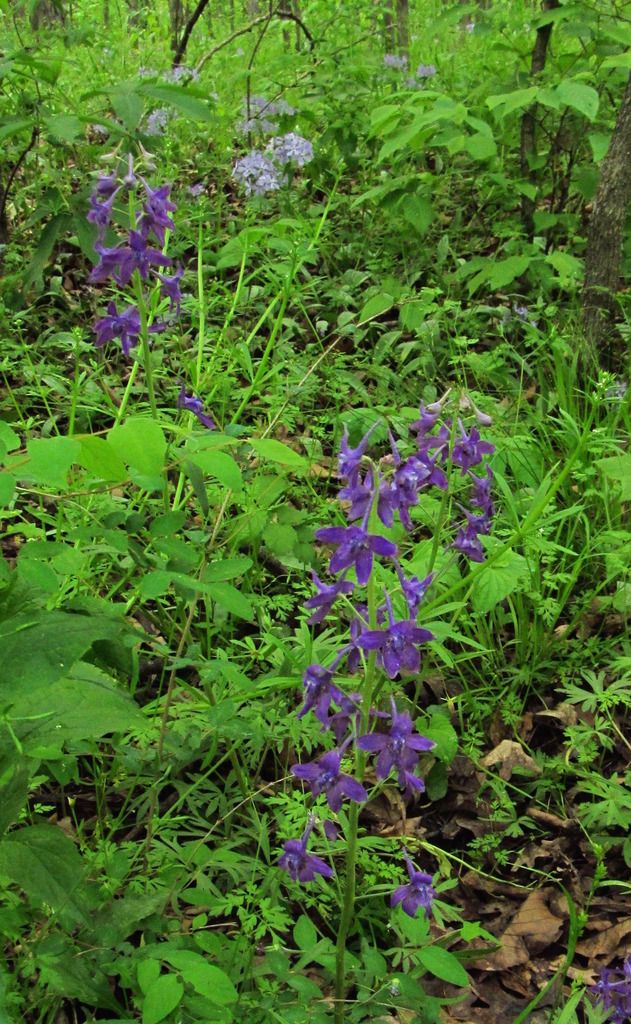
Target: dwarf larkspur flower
{"x": 196, "y": 406}
{"x": 325, "y": 776}
{"x": 418, "y": 892}
{"x": 398, "y": 749}
{"x": 300, "y": 865}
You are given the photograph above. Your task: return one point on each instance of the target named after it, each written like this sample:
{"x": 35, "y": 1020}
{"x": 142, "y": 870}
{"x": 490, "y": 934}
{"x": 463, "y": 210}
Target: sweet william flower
{"x": 418, "y": 892}
{"x": 300, "y": 865}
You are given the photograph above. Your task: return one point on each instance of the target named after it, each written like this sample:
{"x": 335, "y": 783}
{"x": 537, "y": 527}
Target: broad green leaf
{"x": 305, "y": 934}
{"x": 221, "y": 465}
{"x": 232, "y": 600}
{"x": 123, "y": 915}
{"x": 495, "y": 582}
{"x": 441, "y": 731}
{"x": 443, "y": 964}
{"x": 161, "y": 997}
{"x": 14, "y": 126}
{"x": 141, "y": 444}
{"x": 9, "y": 440}
{"x": 41, "y": 647}
{"x": 99, "y": 457}
{"x": 481, "y": 146}
{"x": 73, "y": 975}
{"x": 7, "y": 488}
{"x": 270, "y": 450}
{"x": 44, "y": 862}
{"x": 503, "y": 272}
{"x": 375, "y": 306}
{"x": 568, "y": 267}
{"x": 419, "y": 212}
{"x": 617, "y": 468}
{"x": 579, "y": 96}
{"x": 599, "y": 142}
{"x": 46, "y": 243}
{"x": 49, "y": 460}
{"x": 127, "y": 105}
{"x": 227, "y": 569}
{"x": 183, "y": 99}
{"x": 14, "y": 779}
{"x": 211, "y": 982}
{"x": 65, "y": 127}
{"x": 507, "y": 102}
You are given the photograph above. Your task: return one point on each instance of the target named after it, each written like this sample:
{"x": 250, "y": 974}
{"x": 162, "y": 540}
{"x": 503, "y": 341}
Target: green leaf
{"x": 15, "y": 126}
{"x": 376, "y": 305}
{"x": 13, "y": 789}
{"x": 232, "y": 600}
{"x": 99, "y": 457}
{"x": 227, "y": 569}
{"x": 441, "y": 731}
{"x": 211, "y": 982}
{"x": 41, "y": 647}
{"x": 44, "y": 862}
{"x": 141, "y": 444}
{"x": 507, "y": 102}
{"x": 481, "y": 146}
{"x": 305, "y": 934}
{"x": 579, "y": 96}
{"x": 47, "y": 239}
{"x": 221, "y": 465}
{"x": 443, "y": 964}
{"x": 495, "y": 582}
{"x": 7, "y": 489}
{"x": 50, "y": 459}
{"x": 183, "y": 99}
{"x": 419, "y": 212}
{"x": 503, "y": 272}
{"x": 161, "y": 997}
{"x": 127, "y": 105}
{"x": 65, "y": 127}
{"x": 9, "y": 440}
{"x": 270, "y": 450}
{"x": 617, "y": 468}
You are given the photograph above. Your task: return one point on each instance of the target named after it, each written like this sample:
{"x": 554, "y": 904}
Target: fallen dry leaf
{"x": 510, "y": 755}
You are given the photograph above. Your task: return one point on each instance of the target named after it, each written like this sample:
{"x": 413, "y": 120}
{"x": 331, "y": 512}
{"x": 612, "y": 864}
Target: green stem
{"x": 348, "y": 905}
{"x": 144, "y": 341}
{"x": 130, "y": 383}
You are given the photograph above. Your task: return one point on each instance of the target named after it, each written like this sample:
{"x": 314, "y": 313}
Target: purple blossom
{"x": 107, "y": 185}
{"x": 100, "y": 213}
{"x": 468, "y": 538}
{"x": 196, "y": 190}
{"x": 300, "y": 865}
{"x": 398, "y": 645}
{"x": 481, "y": 497}
{"x": 398, "y": 749}
{"x": 341, "y": 721}
{"x": 137, "y": 255}
{"x": 257, "y": 173}
{"x": 355, "y": 547}
{"x": 291, "y": 149}
{"x": 262, "y": 113}
{"x": 125, "y": 325}
{"x": 613, "y": 992}
{"x": 361, "y": 493}
{"x": 414, "y": 590}
{"x": 320, "y": 693}
{"x": 196, "y": 406}
{"x": 326, "y": 596}
{"x": 170, "y": 288}
{"x": 156, "y": 212}
{"x": 109, "y": 261}
{"x": 418, "y": 892}
{"x": 349, "y": 461}
{"x": 425, "y": 71}
{"x": 325, "y": 776}
{"x": 469, "y": 449}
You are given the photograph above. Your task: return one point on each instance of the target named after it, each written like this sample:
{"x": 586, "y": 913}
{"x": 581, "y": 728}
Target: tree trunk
{"x": 403, "y": 26}
{"x": 528, "y": 141}
{"x": 604, "y": 241}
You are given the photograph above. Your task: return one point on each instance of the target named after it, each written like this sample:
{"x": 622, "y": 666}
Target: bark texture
{"x": 604, "y": 242}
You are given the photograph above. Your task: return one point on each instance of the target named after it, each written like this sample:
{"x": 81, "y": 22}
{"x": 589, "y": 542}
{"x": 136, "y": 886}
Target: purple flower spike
{"x": 125, "y": 325}
{"x": 398, "y": 749}
{"x": 417, "y": 893}
{"x": 196, "y": 406}
{"x": 355, "y": 547}
{"x": 170, "y": 288}
{"x": 157, "y": 208}
{"x": 100, "y": 213}
{"x": 323, "y": 601}
{"x": 137, "y": 255}
{"x": 300, "y": 865}
{"x": 397, "y": 646}
{"x": 324, "y": 776}
{"x": 414, "y": 590}
{"x": 319, "y": 693}
{"x": 481, "y": 497}
{"x": 469, "y": 450}
{"x": 349, "y": 461}
{"x": 613, "y": 992}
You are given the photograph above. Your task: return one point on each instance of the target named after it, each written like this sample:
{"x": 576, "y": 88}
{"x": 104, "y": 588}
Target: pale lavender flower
{"x": 157, "y": 122}
{"x": 398, "y": 62}
{"x": 257, "y": 173}
{"x": 425, "y": 71}
{"x": 291, "y": 148}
